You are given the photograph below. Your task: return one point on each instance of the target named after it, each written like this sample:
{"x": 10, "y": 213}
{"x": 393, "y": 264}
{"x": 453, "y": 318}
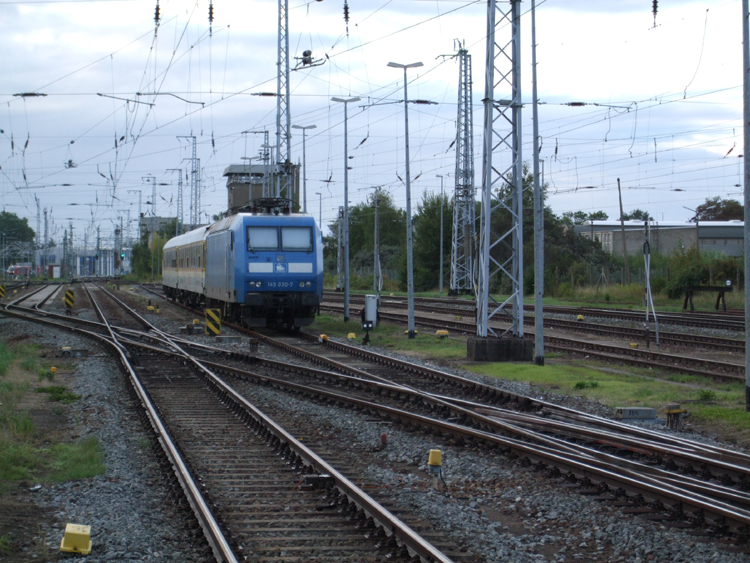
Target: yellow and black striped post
{"x": 213, "y": 322}
{"x": 69, "y": 299}
{"x": 2, "y": 292}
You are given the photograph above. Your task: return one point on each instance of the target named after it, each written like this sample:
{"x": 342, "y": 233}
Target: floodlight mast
{"x": 746, "y": 115}
{"x": 409, "y": 254}
{"x": 346, "y": 102}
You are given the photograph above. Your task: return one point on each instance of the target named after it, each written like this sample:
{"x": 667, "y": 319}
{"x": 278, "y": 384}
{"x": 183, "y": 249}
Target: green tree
{"x": 717, "y": 209}
{"x": 392, "y": 233}
{"x": 578, "y": 217}
{"x": 15, "y": 228}
{"x": 426, "y": 244}
{"x": 637, "y": 215}
{"x": 17, "y": 237}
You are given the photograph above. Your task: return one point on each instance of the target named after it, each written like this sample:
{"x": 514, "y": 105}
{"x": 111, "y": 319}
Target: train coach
{"x": 262, "y": 269}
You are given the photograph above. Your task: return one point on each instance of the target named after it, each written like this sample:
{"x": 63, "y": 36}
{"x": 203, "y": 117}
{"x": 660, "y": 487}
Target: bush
{"x": 706, "y": 395}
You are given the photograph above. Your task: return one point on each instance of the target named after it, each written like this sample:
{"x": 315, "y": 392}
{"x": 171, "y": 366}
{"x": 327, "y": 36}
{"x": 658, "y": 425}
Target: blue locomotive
{"x": 262, "y": 269}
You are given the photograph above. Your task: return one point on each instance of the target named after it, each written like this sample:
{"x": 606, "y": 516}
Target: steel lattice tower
{"x": 501, "y": 253}
{"x": 195, "y": 183}
{"x": 283, "y": 119}
{"x": 462, "y": 248}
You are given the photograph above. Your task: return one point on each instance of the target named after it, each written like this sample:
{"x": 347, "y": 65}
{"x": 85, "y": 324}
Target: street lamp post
{"x": 346, "y": 101}
{"x": 409, "y": 255}
{"x": 376, "y": 254}
{"x": 441, "y": 231}
{"x": 304, "y": 164}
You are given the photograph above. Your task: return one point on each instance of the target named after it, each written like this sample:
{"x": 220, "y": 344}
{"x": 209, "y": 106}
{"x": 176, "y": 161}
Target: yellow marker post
{"x": 77, "y": 539}
{"x": 213, "y": 322}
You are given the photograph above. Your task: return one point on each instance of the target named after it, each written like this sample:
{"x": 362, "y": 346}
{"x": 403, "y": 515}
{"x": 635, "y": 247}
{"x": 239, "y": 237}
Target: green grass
{"x": 19, "y": 461}
{"x": 61, "y": 462}
{"x": 6, "y": 545}
{"x": 633, "y": 388}
{"x": 10, "y": 395}
{"x": 388, "y": 335}
{"x": 57, "y": 393}
{"x": 81, "y": 460}
{"x": 6, "y": 358}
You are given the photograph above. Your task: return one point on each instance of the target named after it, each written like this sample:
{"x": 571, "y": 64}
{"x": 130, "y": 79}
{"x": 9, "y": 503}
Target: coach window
{"x": 262, "y": 239}
{"x": 298, "y": 239}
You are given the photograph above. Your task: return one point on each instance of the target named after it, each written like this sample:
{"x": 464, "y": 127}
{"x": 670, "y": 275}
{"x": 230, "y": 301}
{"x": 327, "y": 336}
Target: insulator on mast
{"x": 654, "y": 9}
{"x": 346, "y": 17}
{"x": 210, "y": 18}
{"x": 157, "y": 15}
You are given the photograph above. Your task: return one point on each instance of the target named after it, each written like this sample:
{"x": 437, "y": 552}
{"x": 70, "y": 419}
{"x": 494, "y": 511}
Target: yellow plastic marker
{"x": 77, "y": 539}
{"x": 53, "y": 369}
{"x": 436, "y": 458}
{"x": 351, "y": 336}
{"x": 323, "y": 337}
{"x": 442, "y": 333}
{"x": 634, "y": 345}
{"x": 580, "y": 317}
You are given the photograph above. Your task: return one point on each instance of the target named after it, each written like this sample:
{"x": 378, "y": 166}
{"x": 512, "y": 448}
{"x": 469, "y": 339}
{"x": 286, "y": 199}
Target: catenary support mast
{"x": 464, "y": 209}
{"x": 501, "y": 253}
{"x": 283, "y": 119}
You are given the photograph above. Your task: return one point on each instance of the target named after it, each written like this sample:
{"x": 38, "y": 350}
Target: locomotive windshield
{"x": 299, "y": 239}
{"x": 262, "y": 239}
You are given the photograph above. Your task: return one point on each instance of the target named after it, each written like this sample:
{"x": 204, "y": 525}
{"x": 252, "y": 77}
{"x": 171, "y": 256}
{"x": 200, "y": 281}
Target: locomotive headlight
{"x": 302, "y": 284}
{"x": 308, "y": 284}
{"x": 257, "y": 284}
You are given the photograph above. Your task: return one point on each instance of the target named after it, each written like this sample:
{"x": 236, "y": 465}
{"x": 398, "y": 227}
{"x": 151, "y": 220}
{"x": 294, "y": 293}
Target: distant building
{"x": 727, "y": 237}
{"x": 246, "y": 182}
{"x": 151, "y": 225}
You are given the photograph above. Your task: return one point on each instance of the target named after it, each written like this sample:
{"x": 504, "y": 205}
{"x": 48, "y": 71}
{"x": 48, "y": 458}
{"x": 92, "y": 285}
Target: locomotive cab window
{"x": 299, "y": 239}
{"x": 262, "y": 239}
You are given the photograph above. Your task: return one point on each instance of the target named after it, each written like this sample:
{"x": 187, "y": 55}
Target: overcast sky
{"x": 663, "y": 113}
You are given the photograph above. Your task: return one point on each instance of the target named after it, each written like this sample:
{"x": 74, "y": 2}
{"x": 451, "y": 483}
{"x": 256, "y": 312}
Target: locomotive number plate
{"x": 280, "y": 284}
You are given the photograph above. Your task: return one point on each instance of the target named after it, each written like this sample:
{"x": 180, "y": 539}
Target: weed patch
{"x": 81, "y": 460}
{"x": 18, "y": 461}
{"x": 6, "y": 545}
{"x": 58, "y": 393}
{"x": 706, "y": 395}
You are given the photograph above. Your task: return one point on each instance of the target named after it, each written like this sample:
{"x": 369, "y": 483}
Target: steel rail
{"x": 471, "y": 410}
{"x": 703, "y": 320}
{"x": 391, "y": 525}
{"x": 722, "y": 454}
{"x": 389, "y": 360}
{"x": 612, "y": 353}
{"x": 574, "y": 462}
{"x": 210, "y": 527}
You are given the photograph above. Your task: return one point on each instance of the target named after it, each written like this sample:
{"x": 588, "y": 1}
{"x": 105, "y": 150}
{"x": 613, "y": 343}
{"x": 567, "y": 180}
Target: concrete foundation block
{"x": 490, "y": 349}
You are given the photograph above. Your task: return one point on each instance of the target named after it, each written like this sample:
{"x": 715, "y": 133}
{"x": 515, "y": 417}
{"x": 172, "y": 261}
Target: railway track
{"x": 729, "y": 320}
{"x": 626, "y": 355}
{"x": 256, "y": 491}
{"x": 711, "y": 481}
{"x": 641, "y": 334}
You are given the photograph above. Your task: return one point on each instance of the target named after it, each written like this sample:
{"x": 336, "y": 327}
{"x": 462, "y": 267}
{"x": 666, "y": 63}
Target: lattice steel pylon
{"x": 283, "y": 119}
{"x": 462, "y": 248}
{"x": 501, "y": 253}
